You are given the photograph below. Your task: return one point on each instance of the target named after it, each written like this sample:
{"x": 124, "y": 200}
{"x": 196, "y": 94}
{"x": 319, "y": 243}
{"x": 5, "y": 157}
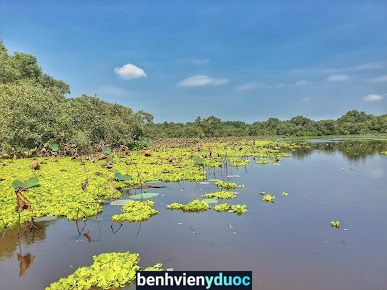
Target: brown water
{"x": 288, "y": 245}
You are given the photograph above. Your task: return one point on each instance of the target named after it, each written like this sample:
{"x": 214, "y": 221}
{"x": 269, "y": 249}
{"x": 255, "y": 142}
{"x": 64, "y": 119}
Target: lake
{"x": 288, "y": 244}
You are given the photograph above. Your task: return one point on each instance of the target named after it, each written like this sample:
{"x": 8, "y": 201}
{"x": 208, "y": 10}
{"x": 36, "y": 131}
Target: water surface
{"x": 288, "y": 245}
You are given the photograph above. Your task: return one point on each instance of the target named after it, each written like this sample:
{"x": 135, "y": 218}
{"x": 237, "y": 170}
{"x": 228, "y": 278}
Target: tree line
{"x": 352, "y": 123}
{"x": 35, "y": 112}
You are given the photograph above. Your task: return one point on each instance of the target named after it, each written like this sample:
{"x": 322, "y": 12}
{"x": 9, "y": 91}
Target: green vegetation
{"x": 136, "y": 211}
{"x": 352, "y": 123}
{"x": 238, "y": 209}
{"x": 220, "y": 195}
{"x": 226, "y": 185}
{"x": 38, "y": 118}
{"x": 109, "y": 270}
{"x": 76, "y": 188}
{"x": 335, "y": 224}
{"x": 35, "y": 113}
{"x": 193, "y": 206}
{"x": 268, "y": 198}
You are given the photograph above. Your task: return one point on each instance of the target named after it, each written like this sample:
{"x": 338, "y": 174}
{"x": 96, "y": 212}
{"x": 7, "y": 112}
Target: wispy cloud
{"x": 380, "y": 79}
{"x": 200, "y": 61}
{"x": 373, "y": 98}
{"x": 253, "y": 86}
{"x": 333, "y": 70}
{"x": 338, "y": 78}
{"x": 130, "y": 72}
{"x": 369, "y": 66}
{"x": 202, "y": 81}
{"x": 302, "y": 83}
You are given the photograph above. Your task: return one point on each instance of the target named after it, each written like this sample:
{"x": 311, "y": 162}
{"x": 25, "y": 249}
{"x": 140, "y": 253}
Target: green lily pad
{"x": 198, "y": 160}
{"x": 119, "y": 202}
{"x": 54, "y": 147}
{"x": 145, "y": 195}
{"x": 107, "y": 150}
{"x": 210, "y": 200}
{"x": 45, "y": 218}
{"x": 122, "y": 177}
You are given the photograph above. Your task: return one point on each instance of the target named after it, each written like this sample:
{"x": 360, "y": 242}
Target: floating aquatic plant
{"x": 199, "y": 161}
{"x": 54, "y": 147}
{"x": 335, "y": 224}
{"x": 136, "y": 211}
{"x": 238, "y": 209}
{"x": 268, "y": 198}
{"x": 237, "y": 162}
{"x": 226, "y": 185}
{"x": 285, "y": 193}
{"x": 220, "y": 195}
{"x": 109, "y": 270}
{"x": 29, "y": 183}
{"x": 210, "y": 200}
{"x": 144, "y": 195}
{"x": 122, "y": 177}
{"x": 106, "y": 150}
{"x": 193, "y": 206}
{"x": 60, "y": 192}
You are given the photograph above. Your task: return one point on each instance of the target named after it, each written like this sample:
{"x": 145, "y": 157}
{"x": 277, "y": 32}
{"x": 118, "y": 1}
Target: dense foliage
{"x": 35, "y": 111}
{"x": 352, "y": 123}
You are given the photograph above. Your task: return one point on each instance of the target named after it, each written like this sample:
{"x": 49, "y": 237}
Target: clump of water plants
{"x": 335, "y": 224}
{"x": 237, "y": 162}
{"x": 285, "y": 193}
{"x": 226, "y": 185}
{"x": 136, "y": 211}
{"x": 76, "y": 188}
{"x": 268, "y": 198}
{"x": 193, "y": 206}
{"x": 109, "y": 270}
{"x": 238, "y": 209}
{"x": 220, "y": 195}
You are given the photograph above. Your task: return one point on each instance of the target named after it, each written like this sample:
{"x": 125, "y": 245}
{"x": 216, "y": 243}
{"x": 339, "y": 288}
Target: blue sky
{"x": 239, "y": 60}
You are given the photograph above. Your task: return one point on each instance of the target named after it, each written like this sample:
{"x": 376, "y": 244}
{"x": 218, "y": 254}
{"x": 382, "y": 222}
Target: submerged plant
{"x": 220, "y": 195}
{"x": 268, "y": 198}
{"x": 109, "y": 270}
{"x": 136, "y": 211}
{"x": 193, "y": 206}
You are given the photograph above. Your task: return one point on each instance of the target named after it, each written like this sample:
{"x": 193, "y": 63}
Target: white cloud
{"x": 338, "y": 78}
{"x": 129, "y": 72}
{"x": 373, "y": 98}
{"x": 202, "y": 81}
{"x": 253, "y": 86}
{"x": 302, "y": 83}
{"x": 381, "y": 79}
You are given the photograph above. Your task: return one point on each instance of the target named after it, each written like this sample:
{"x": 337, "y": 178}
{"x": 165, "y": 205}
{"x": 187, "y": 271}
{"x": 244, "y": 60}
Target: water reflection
{"x": 10, "y": 239}
{"x": 351, "y": 149}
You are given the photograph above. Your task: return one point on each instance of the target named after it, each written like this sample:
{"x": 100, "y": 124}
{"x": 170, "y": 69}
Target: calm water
{"x": 288, "y": 245}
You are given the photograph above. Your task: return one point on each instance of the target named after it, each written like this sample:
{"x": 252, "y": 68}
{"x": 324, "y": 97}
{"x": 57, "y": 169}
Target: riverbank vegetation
{"x": 37, "y": 116}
